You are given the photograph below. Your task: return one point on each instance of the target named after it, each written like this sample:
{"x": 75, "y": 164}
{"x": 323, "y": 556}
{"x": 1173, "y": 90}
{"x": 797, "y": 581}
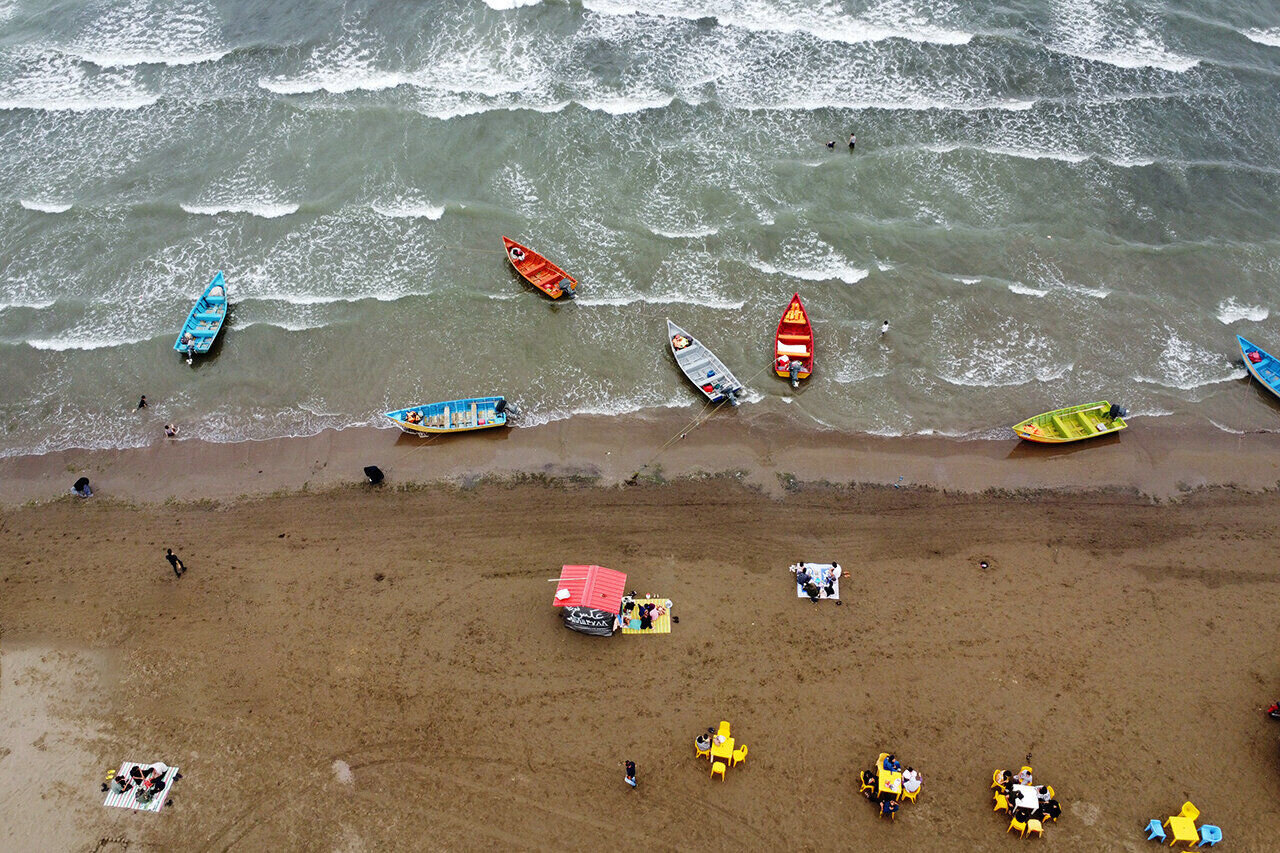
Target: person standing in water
{"x": 831, "y": 145}
{"x": 884, "y": 328}
{"x": 853, "y": 141}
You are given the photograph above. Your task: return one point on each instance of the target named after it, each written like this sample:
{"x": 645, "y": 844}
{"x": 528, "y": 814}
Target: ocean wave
{"x": 783, "y": 18}
{"x": 136, "y": 33}
{"x": 34, "y": 305}
{"x": 405, "y": 209}
{"x": 35, "y": 79}
{"x": 685, "y": 233}
{"x": 1185, "y": 366}
{"x": 663, "y": 299}
{"x": 1271, "y": 37}
{"x": 844, "y": 272}
{"x": 967, "y": 279}
{"x": 77, "y": 341}
{"x": 1225, "y": 428}
{"x": 531, "y": 414}
{"x": 286, "y": 325}
{"x": 1073, "y": 157}
{"x": 327, "y": 299}
{"x": 1231, "y": 310}
{"x": 45, "y": 206}
{"x": 1101, "y": 31}
{"x": 504, "y": 5}
{"x": 1026, "y": 290}
{"x": 263, "y": 209}
{"x": 1004, "y": 371}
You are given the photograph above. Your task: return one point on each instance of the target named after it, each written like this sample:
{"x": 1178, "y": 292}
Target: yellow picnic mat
{"x": 661, "y": 625}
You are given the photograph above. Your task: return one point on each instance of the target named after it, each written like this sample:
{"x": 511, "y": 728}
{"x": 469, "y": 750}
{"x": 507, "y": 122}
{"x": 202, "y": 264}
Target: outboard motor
{"x": 794, "y": 370}
{"x": 1116, "y": 411}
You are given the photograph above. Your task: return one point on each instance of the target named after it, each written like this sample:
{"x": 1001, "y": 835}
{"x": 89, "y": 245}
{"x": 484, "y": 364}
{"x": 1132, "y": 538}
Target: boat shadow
{"x": 1260, "y": 391}
{"x": 1030, "y": 449}
{"x": 216, "y": 348}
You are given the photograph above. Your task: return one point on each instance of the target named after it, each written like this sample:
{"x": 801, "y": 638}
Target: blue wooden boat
{"x": 1262, "y": 365}
{"x": 454, "y": 415}
{"x": 205, "y": 320}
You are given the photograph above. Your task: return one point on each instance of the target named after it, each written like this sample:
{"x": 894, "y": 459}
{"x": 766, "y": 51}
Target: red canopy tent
{"x": 593, "y": 596}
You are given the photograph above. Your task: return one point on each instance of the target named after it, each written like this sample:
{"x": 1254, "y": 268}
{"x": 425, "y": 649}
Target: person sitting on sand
{"x": 646, "y": 617}
{"x": 832, "y": 577}
{"x": 911, "y": 780}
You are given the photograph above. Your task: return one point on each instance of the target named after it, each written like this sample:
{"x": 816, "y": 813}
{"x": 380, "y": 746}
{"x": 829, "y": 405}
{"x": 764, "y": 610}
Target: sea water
{"x": 1052, "y": 201}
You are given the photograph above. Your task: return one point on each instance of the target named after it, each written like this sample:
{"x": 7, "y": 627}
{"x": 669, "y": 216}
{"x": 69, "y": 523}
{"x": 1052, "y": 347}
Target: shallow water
{"x": 1053, "y": 202}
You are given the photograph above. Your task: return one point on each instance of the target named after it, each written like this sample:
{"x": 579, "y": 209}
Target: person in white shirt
{"x": 911, "y": 780}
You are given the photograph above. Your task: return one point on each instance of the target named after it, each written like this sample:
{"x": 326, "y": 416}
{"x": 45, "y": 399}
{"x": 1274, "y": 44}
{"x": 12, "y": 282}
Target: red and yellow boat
{"x": 793, "y": 344}
{"x": 539, "y": 271}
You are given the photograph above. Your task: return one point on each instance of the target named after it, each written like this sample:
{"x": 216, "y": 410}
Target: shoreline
{"x": 768, "y": 451}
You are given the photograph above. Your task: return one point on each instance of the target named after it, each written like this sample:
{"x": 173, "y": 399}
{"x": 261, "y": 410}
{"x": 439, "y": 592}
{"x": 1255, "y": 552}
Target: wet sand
{"x": 352, "y": 668}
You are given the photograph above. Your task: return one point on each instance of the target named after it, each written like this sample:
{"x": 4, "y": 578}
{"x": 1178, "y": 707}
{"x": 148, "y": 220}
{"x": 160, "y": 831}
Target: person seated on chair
{"x": 703, "y": 741}
{"x": 1006, "y": 783}
{"x": 1023, "y": 776}
{"x": 911, "y": 780}
{"x": 888, "y": 806}
{"x": 1042, "y": 793}
{"x": 869, "y": 778}
{"x": 891, "y": 763}
{"x": 1049, "y": 809}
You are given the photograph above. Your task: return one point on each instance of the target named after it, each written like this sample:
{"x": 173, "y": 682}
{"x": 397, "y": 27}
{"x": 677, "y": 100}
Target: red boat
{"x": 539, "y": 271}
{"x": 793, "y": 344}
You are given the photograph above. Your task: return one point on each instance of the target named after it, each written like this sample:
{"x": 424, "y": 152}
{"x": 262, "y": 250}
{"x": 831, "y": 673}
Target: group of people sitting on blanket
{"x": 148, "y": 781}
{"x": 1047, "y": 807}
{"x": 817, "y": 579}
{"x": 887, "y": 801}
{"x": 646, "y": 614}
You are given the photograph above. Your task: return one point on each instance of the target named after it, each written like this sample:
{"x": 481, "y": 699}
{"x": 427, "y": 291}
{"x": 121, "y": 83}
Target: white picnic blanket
{"x": 822, "y": 574}
{"x": 129, "y": 799}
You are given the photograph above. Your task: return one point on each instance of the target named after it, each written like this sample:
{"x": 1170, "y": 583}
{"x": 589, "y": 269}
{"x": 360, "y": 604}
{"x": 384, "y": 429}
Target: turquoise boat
{"x": 205, "y": 320}
{"x": 1262, "y": 365}
{"x": 454, "y": 415}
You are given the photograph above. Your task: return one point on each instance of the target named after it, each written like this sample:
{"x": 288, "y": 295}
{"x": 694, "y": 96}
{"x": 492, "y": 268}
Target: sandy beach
{"x": 351, "y": 668}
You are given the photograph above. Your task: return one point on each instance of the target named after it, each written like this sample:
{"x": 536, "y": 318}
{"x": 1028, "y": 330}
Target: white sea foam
{"x": 138, "y": 33}
{"x": 263, "y": 209}
{"x": 889, "y": 19}
{"x": 1231, "y": 310}
{"x": 33, "y": 304}
{"x": 1102, "y": 31}
{"x": 1225, "y": 428}
{"x": 328, "y": 299}
{"x": 844, "y": 272}
{"x": 1186, "y": 366}
{"x": 625, "y": 104}
{"x": 684, "y": 233}
{"x": 45, "y": 206}
{"x": 503, "y": 5}
{"x": 1026, "y": 290}
{"x": 1271, "y": 37}
{"x": 82, "y": 341}
{"x": 286, "y": 325}
{"x": 535, "y": 415}
{"x": 34, "y": 79}
{"x": 663, "y": 299}
{"x": 408, "y": 209}
{"x": 967, "y": 280}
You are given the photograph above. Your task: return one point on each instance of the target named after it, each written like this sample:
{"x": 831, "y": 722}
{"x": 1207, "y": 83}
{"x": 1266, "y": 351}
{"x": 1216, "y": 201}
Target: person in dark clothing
{"x": 179, "y": 568}
{"x": 831, "y": 144}
{"x": 631, "y": 773}
{"x": 853, "y": 141}
{"x": 1049, "y": 810}
{"x": 142, "y": 402}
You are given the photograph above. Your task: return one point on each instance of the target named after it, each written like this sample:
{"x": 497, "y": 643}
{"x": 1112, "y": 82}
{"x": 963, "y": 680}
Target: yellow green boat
{"x": 1073, "y": 423}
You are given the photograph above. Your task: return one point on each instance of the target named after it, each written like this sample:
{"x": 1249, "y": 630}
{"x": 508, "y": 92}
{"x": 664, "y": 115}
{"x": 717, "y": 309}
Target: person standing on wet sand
{"x": 631, "y": 773}
{"x": 179, "y": 568}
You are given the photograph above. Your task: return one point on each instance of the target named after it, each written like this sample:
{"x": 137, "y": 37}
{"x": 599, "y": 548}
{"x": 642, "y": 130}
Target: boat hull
{"x": 1070, "y": 424}
{"x": 539, "y": 271}
{"x": 1266, "y": 371}
{"x": 701, "y": 367}
{"x": 793, "y": 342}
{"x": 450, "y": 416}
{"x": 205, "y": 321}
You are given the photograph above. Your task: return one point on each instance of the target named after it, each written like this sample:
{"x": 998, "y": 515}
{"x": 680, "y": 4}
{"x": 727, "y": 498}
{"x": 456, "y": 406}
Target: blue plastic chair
{"x": 1209, "y": 834}
{"x": 1155, "y": 831}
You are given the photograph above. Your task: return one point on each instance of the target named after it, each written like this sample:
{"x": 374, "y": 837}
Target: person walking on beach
{"x": 853, "y": 140}
{"x": 631, "y": 773}
{"x": 142, "y": 403}
{"x": 179, "y": 568}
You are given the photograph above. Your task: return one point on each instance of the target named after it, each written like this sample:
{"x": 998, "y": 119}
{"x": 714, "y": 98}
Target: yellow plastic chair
{"x": 909, "y": 795}
{"x": 723, "y": 731}
{"x": 718, "y": 767}
{"x": 1052, "y": 795}
{"x": 867, "y": 786}
{"x": 700, "y": 751}
{"x": 1014, "y": 823}
{"x": 739, "y": 755}
{"x": 995, "y": 780}
{"x": 1035, "y": 827}
{"x": 1189, "y": 810}
{"x": 1002, "y": 803}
